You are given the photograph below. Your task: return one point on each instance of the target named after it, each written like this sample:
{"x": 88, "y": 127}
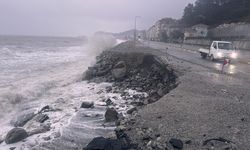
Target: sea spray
{"x": 48, "y": 75}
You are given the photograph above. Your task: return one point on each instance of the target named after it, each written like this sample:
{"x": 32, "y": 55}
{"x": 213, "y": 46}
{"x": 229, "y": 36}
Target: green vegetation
{"x": 215, "y": 12}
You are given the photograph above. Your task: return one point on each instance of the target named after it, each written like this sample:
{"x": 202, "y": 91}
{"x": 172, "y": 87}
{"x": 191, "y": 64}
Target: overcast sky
{"x": 82, "y": 17}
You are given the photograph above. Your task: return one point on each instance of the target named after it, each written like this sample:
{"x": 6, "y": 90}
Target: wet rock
{"x": 145, "y": 102}
{"x": 111, "y": 115}
{"x": 1, "y": 139}
{"x": 176, "y": 143}
{"x": 146, "y": 137}
{"x": 48, "y": 108}
{"x": 38, "y": 128}
{"x": 149, "y": 144}
{"x": 45, "y": 109}
{"x": 100, "y": 143}
{"x": 47, "y": 138}
{"x": 109, "y": 102}
{"x": 119, "y": 70}
{"x": 102, "y": 71}
{"x": 159, "y": 117}
{"x": 188, "y": 142}
{"x": 88, "y": 74}
{"x": 130, "y": 111}
{"x": 87, "y": 105}
{"x": 152, "y": 100}
{"x": 56, "y": 135}
{"x": 160, "y": 92}
{"x": 21, "y": 119}
{"x": 137, "y": 103}
{"x": 15, "y": 135}
{"x": 242, "y": 119}
{"x": 219, "y": 143}
{"x": 224, "y": 90}
{"x": 41, "y": 118}
{"x": 108, "y": 88}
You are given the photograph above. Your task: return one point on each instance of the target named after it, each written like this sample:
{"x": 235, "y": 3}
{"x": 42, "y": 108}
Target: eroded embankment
{"x": 135, "y": 71}
{"x": 131, "y": 72}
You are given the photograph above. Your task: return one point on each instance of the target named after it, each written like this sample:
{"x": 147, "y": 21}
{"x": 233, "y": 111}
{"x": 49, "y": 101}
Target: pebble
{"x": 149, "y": 143}
{"x": 176, "y": 143}
{"x": 188, "y": 142}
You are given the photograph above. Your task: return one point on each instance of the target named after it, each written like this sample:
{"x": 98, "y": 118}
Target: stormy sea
{"x": 45, "y": 74}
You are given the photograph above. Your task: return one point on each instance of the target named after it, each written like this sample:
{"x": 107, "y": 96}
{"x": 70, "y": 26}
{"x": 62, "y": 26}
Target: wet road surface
{"x": 235, "y": 68}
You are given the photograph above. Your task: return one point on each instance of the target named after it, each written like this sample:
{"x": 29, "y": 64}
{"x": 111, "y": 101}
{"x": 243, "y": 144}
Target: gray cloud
{"x": 82, "y": 17}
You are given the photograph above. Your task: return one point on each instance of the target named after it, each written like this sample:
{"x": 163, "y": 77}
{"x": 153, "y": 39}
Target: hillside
{"x": 215, "y": 12}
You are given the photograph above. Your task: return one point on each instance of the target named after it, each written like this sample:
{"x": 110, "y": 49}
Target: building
{"x": 162, "y": 29}
{"x": 196, "y": 31}
{"x": 151, "y": 34}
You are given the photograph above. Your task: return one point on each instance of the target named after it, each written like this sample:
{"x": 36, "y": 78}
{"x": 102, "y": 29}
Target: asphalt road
{"x": 205, "y": 105}
{"x": 235, "y": 68}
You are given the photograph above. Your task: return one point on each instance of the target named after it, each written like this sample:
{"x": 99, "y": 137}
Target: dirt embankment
{"x": 135, "y": 72}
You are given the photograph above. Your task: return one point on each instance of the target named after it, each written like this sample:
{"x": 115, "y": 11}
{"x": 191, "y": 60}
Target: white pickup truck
{"x": 219, "y": 50}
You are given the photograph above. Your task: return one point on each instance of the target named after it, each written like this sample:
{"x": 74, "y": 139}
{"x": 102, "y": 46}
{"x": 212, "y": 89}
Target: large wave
{"x": 59, "y": 71}
{"x": 6, "y": 52}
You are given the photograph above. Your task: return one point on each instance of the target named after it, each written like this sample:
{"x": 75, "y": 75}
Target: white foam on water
{"x": 49, "y": 76}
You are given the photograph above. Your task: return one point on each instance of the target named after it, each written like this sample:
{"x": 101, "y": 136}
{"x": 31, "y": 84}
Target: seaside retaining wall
{"x": 239, "y": 34}
{"x": 243, "y": 44}
{"x": 198, "y": 41}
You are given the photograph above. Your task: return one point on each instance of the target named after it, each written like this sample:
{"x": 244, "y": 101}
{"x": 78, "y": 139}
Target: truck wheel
{"x": 203, "y": 55}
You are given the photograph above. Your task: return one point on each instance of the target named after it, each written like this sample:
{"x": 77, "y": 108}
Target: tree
{"x": 188, "y": 14}
{"x": 214, "y": 12}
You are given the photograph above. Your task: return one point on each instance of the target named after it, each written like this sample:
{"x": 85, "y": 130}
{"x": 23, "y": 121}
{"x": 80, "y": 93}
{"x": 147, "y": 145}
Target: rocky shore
{"x": 141, "y": 73}
{"x": 135, "y": 100}
{"x": 135, "y": 71}
{"x": 128, "y": 81}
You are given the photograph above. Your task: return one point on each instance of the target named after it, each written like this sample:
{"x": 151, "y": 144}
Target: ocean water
{"x": 30, "y": 66}
{"x": 40, "y": 71}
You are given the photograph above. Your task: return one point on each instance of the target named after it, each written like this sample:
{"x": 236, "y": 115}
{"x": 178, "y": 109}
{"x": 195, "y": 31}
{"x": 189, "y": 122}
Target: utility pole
{"x": 135, "y": 34}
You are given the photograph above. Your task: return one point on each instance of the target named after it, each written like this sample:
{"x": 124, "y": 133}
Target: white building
{"x": 199, "y": 30}
{"x": 162, "y": 29}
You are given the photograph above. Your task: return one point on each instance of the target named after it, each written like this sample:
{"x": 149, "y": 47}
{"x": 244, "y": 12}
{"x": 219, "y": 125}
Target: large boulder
{"x": 41, "y": 118}
{"x": 35, "y": 126}
{"x": 111, "y": 115}
{"x": 87, "y": 105}
{"x": 120, "y": 70}
{"x": 15, "y": 135}
{"x": 21, "y": 119}
{"x": 1, "y": 139}
{"x": 38, "y": 128}
{"x": 100, "y": 143}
